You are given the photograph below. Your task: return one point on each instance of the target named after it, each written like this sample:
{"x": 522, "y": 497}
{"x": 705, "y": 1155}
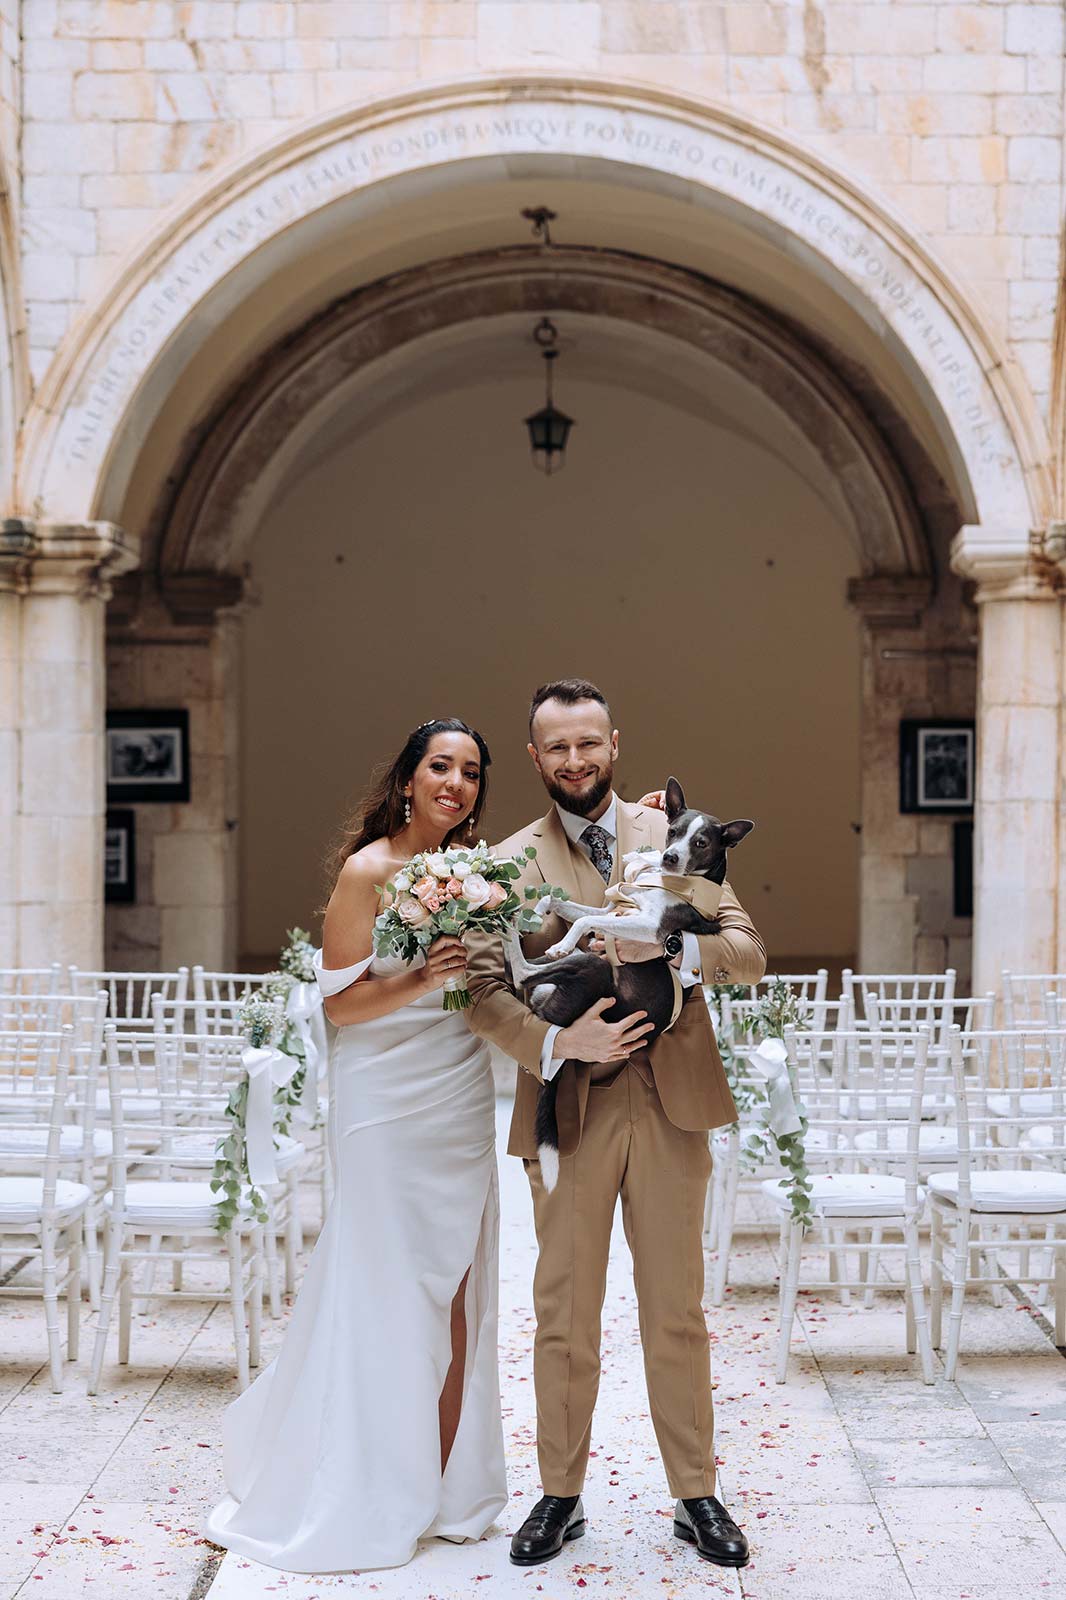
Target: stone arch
{"x": 98, "y": 399}
{"x": 14, "y": 368}
{"x": 247, "y": 447}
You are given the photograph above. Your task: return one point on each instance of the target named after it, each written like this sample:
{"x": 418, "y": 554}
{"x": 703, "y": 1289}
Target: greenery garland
{"x": 778, "y": 1008}
{"x": 265, "y": 1024}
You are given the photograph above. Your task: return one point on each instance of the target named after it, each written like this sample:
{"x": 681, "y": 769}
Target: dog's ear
{"x": 733, "y": 832}
{"x": 675, "y": 799}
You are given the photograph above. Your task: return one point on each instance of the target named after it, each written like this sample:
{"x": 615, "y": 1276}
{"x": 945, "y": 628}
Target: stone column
{"x": 1017, "y": 860}
{"x": 175, "y": 644}
{"x": 54, "y": 583}
{"x": 891, "y": 607}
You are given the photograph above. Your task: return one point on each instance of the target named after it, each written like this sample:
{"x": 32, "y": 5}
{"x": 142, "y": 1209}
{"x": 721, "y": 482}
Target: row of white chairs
{"x": 177, "y": 1056}
{"x": 945, "y": 1154}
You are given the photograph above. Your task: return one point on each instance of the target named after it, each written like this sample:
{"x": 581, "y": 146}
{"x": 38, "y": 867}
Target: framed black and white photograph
{"x": 147, "y": 756}
{"x": 936, "y": 765}
{"x": 120, "y": 862}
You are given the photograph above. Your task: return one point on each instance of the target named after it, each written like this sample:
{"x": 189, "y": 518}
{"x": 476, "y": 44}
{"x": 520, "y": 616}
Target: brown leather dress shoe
{"x": 706, "y": 1523}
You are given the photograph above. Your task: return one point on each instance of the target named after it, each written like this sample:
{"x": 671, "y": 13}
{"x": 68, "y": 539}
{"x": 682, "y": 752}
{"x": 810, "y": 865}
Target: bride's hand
{"x": 656, "y": 800}
{"x": 445, "y": 958}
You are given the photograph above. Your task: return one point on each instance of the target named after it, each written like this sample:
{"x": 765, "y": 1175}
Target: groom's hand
{"x": 592, "y": 1039}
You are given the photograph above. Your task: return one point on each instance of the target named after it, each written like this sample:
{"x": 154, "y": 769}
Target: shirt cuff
{"x": 690, "y": 971}
{"x": 548, "y": 1067}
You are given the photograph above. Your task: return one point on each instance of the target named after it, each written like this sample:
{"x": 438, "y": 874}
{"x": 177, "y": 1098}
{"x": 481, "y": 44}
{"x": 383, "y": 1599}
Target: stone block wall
{"x": 950, "y": 113}
{"x": 186, "y": 854}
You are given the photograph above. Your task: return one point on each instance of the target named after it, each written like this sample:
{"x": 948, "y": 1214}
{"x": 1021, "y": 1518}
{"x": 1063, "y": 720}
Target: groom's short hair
{"x": 570, "y": 692}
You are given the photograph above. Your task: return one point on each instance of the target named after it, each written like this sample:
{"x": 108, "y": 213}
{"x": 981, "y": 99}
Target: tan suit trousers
{"x": 630, "y": 1148}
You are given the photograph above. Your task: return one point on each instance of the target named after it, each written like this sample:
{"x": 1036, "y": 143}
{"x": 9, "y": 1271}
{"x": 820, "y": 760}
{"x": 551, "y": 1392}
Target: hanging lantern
{"x": 549, "y": 428}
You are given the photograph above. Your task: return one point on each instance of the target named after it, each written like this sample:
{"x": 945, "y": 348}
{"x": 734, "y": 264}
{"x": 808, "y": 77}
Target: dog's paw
{"x": 557, "y": 950}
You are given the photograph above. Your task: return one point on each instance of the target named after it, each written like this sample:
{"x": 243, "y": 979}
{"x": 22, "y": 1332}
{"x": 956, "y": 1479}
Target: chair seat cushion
{"x": 198, "y": 1150}
{"x": 896, "y": 1104}
{"x": 1005, "y": 1191}
{"x": 168, "y": 1204}
{"x": 1044, "y": 1136}
{"x": 1026, "y": 1102}
{"x": 847, "y": 1194}
{"x": 34, "y": 1141}
{"x": 934, "y": 1142}
{"x": 21, "y": 1199}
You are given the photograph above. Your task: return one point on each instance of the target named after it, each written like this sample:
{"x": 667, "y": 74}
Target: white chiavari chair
{"x": 44, "y": 1016}
{"x": 227, "y": 986}
{"x": 129, "y": 994}
{"x": 851, "y": 1204}
{"x": 41, "y": 1212}
{"x": 1007, "y": 1195}
{"x": 808, "y": 987}
{"x": 1031, "y": 999}
{"x": 892, "y": 987}
{"x": 31, "y": 980}
{"x": 160, "y": 1206}
{"x": 735, "y": 1027}
{"x": 213, "y": 1062}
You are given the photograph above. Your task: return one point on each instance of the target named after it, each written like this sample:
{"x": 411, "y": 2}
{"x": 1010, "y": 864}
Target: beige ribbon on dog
{"x": 700, "y": 893}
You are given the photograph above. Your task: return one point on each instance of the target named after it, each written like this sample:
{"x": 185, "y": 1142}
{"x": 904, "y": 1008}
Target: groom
{"x": 632, "y": 1122}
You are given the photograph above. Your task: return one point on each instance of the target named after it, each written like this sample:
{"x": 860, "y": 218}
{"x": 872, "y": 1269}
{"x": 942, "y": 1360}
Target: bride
{"x": 379, "y": 1422}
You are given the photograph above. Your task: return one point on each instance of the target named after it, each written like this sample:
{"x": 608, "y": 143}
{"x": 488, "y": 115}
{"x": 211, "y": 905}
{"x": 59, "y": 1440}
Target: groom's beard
{"x": 585, "y": 801}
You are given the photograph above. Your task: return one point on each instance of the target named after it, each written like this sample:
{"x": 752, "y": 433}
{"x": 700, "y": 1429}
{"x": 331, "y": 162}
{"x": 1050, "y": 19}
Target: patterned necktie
{"x": 597, "y": 842}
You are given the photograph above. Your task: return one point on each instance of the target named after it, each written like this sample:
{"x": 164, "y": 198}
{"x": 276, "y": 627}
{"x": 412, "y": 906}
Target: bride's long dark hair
{"x": 381, "y": 812}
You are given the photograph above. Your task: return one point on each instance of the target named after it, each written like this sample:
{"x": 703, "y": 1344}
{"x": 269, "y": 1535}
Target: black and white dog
{"x": 676, "y": 890}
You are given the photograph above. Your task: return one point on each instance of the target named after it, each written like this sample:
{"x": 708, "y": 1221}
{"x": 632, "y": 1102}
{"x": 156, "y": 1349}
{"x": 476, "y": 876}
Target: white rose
{"x": 461, "y": 870}
{"x": 401, "y": 882}
{"x": 438, "y": 865}
{"x": 476, "y": 890}
{"x": 412, "y": 911}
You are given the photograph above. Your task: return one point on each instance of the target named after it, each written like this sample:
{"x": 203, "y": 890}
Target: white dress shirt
{"x": 691, "y": 969}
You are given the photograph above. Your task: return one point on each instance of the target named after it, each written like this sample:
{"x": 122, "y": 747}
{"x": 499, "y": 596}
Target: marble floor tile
{"x": 921, "y": 1461}
{"x": 1034, "y": 1452}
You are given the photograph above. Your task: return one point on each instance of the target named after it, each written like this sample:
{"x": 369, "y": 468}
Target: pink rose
{"x": 432, "y": 902}
{"x": 411, "y": 911}
{"x": 425, "y": 889}
{"x": 453, "y": 888}
{"x": 476, "y": 890}
{"x": 497, "y": 895}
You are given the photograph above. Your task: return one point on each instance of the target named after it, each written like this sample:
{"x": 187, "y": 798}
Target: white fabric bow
{"x": 267, "y": 1070}
{"x": 303, "y": 1008}
{"x": 770, "y": 1060}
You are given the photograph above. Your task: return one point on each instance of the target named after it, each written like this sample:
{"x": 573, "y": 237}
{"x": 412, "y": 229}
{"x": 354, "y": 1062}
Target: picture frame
{"x": 937, "y": 765}
{"x": 147, "y": 756}
{"x": 120, "y": 859}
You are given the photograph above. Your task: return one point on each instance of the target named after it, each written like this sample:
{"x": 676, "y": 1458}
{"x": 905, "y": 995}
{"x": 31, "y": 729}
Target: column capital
{"x": 1011, "y": 563}
{"x": 64, "y": 558}
{"x": 891, "y": 599}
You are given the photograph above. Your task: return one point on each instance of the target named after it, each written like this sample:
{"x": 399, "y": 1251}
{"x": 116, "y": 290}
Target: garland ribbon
{"x": 267, "y": 1070}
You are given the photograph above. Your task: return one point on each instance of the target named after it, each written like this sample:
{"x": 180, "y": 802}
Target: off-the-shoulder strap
{"x": 331, "y": 980}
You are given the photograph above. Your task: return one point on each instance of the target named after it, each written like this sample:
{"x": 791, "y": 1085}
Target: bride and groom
{"x": 379, "y": 1423}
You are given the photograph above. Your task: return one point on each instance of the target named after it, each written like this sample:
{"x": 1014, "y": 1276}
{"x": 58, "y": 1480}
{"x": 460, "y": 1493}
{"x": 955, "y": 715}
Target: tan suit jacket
{"x": 685, "y": 1064}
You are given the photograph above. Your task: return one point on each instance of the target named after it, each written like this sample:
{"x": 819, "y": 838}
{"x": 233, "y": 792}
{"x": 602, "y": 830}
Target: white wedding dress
{"x": 332, "y": 1456}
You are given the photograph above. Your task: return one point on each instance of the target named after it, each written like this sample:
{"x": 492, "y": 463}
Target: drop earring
{"x": 406, "y": 811}
{"x": 470, "y": 828}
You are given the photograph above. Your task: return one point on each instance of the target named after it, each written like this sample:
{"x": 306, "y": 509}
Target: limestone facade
{"x": 189, "y": 186}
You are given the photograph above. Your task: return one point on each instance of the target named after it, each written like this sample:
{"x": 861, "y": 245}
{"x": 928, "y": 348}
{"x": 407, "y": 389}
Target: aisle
{"x": 854, "y": 1477}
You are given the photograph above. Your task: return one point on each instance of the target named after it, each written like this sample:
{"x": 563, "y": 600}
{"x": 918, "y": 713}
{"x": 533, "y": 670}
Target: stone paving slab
{"x": 854, "y": 1477}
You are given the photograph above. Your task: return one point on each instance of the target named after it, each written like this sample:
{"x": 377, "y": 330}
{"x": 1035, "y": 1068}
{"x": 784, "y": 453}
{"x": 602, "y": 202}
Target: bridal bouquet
{"x": 449, "y": 891}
